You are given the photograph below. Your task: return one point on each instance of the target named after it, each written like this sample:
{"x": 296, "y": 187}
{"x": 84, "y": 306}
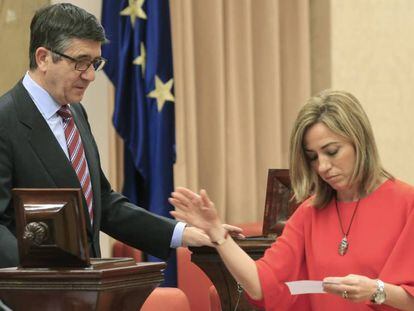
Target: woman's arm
{"x": 200, "y": 212}
{"x": 240, "y": 265}
{"x": 398, "y": 297}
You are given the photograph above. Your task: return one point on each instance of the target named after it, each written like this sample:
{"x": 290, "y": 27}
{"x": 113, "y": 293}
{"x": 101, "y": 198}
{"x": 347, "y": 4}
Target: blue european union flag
{"x": 140, "y": 67}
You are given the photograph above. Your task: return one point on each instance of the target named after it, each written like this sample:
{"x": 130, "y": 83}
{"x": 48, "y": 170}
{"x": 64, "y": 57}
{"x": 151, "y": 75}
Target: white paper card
{"x": 305, "y": 287}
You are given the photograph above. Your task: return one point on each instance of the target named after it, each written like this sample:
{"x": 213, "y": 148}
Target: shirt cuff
{"x": 177, "y": 237}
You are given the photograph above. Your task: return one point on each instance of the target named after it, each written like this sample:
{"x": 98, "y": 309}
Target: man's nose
{"x": 89, "y": 74}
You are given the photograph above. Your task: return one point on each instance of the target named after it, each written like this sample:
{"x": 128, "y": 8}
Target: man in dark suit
{"x": 46, "y": 140}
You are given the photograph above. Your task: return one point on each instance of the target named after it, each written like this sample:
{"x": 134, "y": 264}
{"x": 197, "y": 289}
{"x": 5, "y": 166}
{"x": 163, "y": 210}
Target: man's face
{"x": 63, "y": 82}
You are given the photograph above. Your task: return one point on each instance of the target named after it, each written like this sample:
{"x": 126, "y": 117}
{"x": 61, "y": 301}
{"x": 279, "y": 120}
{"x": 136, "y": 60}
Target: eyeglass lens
{"x": 84, "y": 65}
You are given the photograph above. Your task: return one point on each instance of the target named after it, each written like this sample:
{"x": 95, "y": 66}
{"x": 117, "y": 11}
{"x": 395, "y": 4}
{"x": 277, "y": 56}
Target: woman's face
{"x": 332, "y": 157}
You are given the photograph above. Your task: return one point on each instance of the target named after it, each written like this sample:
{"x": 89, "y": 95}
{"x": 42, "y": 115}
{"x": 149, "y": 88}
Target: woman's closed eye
{"x": 332, "y": 152}
{"x": 313, "y": 156}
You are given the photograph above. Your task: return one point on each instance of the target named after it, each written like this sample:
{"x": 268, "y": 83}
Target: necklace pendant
{"x": 343, "y": 246}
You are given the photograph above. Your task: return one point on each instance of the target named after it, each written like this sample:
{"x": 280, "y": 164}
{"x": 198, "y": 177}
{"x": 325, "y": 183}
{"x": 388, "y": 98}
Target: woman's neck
{"x": 352, "y": 194}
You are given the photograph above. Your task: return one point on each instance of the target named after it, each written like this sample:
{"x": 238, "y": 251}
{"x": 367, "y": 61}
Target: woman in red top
{"x": 354, "y": 230}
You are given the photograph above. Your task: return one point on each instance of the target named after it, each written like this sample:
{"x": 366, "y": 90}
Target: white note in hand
{"x": 305, "y": 287}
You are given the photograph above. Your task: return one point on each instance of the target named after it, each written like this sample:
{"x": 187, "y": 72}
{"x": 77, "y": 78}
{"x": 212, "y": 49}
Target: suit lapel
{"x": 44, "y": 143}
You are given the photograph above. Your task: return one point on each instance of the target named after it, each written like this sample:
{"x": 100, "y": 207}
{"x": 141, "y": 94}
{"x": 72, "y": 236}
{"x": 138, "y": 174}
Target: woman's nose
{"x": 324, "y": 165}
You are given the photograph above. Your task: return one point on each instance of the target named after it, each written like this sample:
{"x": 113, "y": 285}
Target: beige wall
{"x": 15, "y": 17}
{"x": 370, "y": 48}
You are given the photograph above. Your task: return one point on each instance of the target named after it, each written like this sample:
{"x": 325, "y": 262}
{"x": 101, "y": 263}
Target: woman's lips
{"x": 330, "y": 178}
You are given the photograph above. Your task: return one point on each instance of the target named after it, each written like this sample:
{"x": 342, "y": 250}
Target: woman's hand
{"x": 198, "y": 211}
{"x": 356, "y": 288}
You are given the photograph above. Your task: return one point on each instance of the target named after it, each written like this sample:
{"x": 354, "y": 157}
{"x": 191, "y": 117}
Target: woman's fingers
{"x": 351, "y": 287}
{"x": 179, "y": 215}
{"x": 205, "y": 199}
{"x": 337, "y": 289}
{"x": 182, "y": 198}
{"x": 187, "y": 193}
{"x": 234, "y": 231}
{"x": 334, "y": 285}
{"x": 178, "y": 204}
{"x": 232, "y": 228}
{"x": 188, "y": 199}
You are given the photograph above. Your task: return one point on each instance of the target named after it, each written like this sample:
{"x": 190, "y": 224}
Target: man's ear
{"x": 43, "y": 58}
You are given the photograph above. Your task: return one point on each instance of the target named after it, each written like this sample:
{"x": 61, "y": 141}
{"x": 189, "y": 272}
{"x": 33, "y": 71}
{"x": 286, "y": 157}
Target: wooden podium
{"x": 55, "y": 271}
{"x": 278, "y": 207}
{"x": 109, "y": 284}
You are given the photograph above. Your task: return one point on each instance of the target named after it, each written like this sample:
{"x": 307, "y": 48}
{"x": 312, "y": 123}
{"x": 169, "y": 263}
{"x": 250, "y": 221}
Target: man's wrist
{"x": 177, "y": 236}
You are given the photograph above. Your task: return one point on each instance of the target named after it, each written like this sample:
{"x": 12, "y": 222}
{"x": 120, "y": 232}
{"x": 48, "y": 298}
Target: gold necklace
{"x": 344, "y": 244}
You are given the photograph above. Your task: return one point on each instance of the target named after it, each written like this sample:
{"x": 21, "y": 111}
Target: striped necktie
{"x": 77, "y": 155}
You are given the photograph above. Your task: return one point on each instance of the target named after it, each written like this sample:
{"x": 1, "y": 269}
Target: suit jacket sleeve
{"x": 133, "y": 225}
{"x": 129, "y": 223}
{"x": 8, "y": 243}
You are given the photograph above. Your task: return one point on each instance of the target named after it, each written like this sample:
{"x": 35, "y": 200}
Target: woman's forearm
{"x": 397, "y": 297}
{"x": 242, "y": 267}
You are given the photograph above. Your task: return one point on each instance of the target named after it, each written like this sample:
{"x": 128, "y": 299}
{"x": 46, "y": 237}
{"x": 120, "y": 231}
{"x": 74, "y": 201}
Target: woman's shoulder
{"x": 395, "y": 192}
{"x": 396, "y": 186}
{"x": 308, "y": 203}
{"x": 306, "y": 207}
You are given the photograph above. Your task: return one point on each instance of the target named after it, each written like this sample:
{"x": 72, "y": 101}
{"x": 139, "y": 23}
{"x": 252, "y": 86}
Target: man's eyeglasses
{"x": 83, "y": 65}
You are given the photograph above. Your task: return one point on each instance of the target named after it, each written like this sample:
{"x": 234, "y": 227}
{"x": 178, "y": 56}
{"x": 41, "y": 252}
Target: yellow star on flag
{"x": 142, "y": 59}
{"x": 162, "y": 92}
{"x": 134, "y": 10}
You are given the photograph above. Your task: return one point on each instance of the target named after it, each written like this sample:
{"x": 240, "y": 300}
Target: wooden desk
{"x": 109, "y": 284}
{"x": 208, "y": 260}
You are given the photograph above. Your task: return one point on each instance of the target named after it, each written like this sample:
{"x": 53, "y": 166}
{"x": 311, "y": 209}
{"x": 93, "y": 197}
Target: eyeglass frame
{"x": 77, "y": 61}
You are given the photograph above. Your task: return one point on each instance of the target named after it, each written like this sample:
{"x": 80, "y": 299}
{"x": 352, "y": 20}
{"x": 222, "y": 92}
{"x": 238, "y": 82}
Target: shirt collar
{"x": 42, "y": 99}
